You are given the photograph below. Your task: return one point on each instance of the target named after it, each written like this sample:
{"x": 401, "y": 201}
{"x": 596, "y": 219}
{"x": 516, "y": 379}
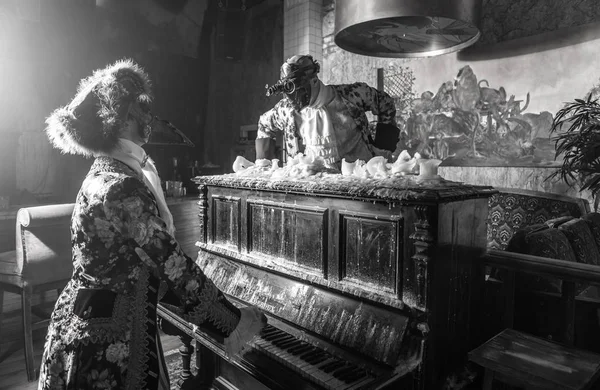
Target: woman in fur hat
{"x": 103, "y": 332}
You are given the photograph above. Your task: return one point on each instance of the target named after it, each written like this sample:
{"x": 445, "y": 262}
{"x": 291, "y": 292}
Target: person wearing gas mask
{"x": 327, "y": 121}
{"x": 103, "y": 331}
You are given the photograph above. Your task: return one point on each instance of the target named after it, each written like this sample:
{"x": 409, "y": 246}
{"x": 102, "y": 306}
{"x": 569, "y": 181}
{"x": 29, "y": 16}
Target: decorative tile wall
{"x": 302, "y": 28}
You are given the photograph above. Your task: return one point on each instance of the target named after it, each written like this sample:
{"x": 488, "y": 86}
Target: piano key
{"x": 317, "y": 359}
{"x": 322, "y": 376}
{"x": 344, "y": 370}
{"x": 307, "y": 355}
{"x": 352, "y": 375}
{"x": 268, "y": 333}
{"x": 280, "y": 340}
{"x": 312, "y": 364}
{"x": 310, "y": 358}
{"x": 310, "y": 353}
{"x": 330, "y": 367}
{"x": 274, "y": 336}
{"x": 269, "y": 327}
{"x": 288, "y": 344}
{"x": 317, "y": 366}
{"x": 272, "y": 329}
{"x": 296, "y": 351}
{"x": 272, "y": 349}
{"x": 324, "y": 368}
{"x": 335, "y": 383}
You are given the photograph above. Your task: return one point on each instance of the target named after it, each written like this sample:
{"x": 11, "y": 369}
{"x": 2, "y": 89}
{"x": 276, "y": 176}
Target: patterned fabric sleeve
{"x": 270, "y": 123}
{"x": 131, "y": 210}
{"x": 374, "y": 100}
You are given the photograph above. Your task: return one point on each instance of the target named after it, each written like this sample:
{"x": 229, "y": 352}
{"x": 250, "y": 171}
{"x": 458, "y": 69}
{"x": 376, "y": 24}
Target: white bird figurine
{"x": 241, "y": 163}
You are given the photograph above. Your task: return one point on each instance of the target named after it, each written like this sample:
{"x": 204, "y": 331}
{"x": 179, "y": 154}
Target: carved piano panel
{"x": 297, "y": 235}
{"x": 370, "y": 250}
{"x": 375, "y": 277}
{"x": 226, "y": 222}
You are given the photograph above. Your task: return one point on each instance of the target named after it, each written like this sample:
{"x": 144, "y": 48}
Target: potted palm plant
{"x": 577, "y": 129}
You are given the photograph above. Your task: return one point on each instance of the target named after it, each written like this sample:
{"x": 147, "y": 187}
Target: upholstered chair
{"x": 41, "y": 262}
{"x": 512, "y": 209}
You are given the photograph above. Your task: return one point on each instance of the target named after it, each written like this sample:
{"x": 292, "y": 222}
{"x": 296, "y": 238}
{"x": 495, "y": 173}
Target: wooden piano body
{"x": 378, "y": 274}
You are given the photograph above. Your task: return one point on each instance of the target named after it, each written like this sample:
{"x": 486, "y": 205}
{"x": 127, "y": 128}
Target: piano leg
{"x": 186, "y": 350}
{"x": 207, "y": 366}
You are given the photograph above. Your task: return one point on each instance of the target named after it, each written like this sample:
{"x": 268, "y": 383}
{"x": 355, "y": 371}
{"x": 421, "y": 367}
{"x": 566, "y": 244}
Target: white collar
{"x": 133, "y": 150}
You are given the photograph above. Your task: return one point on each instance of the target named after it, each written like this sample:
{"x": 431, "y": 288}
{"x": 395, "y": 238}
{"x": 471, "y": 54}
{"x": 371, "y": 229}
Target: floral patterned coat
{"x": 358, "y": 97}
{"x": 103, "y": 331}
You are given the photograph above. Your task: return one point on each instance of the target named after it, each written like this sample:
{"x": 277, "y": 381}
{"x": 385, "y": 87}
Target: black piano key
{"x": 299, "y": 349}
{"x": 345, "y": 369}
{"x": 279, "y": 340}
{"x": 291, "y": 339}
{"x": 274, "y": 331}
{"x": 308, "y": 353}
{"x": 325, "y": 361}
{"x": 329, "y": 364}
{"x": 281, "y": 343}
{"x": 345, "y": 372}
{"x": 316, "y": 359}
{"x": 269, "y": 331}
{"x": 330, "y": 367}
{"x": 273, "y": 336}
{"x": 301, "y": 345}
{"x": 312, "y": 356}
{"x": 290, "y": 343}
{"x": 354, "y": 376}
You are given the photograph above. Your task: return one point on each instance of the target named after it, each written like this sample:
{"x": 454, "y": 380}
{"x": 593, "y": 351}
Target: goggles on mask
{"x": 295, "y": 91}
{"x": 295, "y": 86}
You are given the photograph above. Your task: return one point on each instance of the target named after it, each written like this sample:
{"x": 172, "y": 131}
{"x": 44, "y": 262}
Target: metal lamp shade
{"x": 406, "y": 28}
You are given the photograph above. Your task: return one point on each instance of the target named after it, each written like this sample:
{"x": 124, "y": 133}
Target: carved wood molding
{"x": 203, "y": 212}
{"x": 423, "y": 241}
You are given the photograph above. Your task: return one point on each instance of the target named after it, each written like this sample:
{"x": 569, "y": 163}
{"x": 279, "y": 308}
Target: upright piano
{"x": 367, "y": 284}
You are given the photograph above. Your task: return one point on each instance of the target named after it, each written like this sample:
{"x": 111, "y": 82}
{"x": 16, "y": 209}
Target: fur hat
{"x": 92, "y": 121}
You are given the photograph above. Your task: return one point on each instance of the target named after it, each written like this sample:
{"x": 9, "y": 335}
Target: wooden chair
{"x": 41, "y": 262}
{"x": 511, "y": 210}
{"x": 523, "y": 360}
{"x": 520, "y": 359}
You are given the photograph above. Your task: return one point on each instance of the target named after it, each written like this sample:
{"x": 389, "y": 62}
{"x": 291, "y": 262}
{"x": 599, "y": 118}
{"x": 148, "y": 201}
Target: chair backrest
{"x": 44, "y": 243}
{"x": 512, "y": 209}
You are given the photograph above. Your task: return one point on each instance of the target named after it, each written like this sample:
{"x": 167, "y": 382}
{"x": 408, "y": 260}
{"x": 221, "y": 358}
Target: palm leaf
{"x": 576, "y": 129}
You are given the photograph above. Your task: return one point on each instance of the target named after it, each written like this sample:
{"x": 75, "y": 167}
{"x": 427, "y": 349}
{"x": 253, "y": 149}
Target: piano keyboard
{"x": 312, "y": 362}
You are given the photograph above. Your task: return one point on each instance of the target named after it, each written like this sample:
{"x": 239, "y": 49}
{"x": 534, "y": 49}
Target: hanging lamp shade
{"x": 406, "y": 28}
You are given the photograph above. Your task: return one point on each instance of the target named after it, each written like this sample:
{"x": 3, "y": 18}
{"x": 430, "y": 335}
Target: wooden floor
{"x": 12, "y": 358}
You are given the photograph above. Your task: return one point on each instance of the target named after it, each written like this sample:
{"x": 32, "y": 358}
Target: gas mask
{"x": 295, "y": 82}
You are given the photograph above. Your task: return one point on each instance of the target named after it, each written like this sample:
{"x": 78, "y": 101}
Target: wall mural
{"x": 469, "y": 122}
{"x": 492, "y": 104}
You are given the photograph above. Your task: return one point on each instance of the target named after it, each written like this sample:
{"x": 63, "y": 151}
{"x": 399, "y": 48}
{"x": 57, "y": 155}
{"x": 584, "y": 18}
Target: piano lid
{"x": 394, "y": 189}
{"x": 364, "y": 328}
